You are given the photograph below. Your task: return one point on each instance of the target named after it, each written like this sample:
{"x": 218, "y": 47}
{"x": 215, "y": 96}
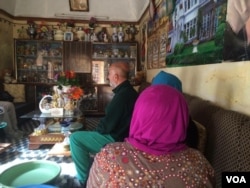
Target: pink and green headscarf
{"x": 160, "y": 120}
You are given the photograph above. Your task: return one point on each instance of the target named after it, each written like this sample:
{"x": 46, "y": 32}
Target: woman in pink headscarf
{"x": 155, "y": 153}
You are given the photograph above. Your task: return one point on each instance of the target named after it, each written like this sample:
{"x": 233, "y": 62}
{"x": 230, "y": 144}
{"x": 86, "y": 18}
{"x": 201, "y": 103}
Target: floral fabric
{"x": 120, "y": 165}
{"x": 155, "y": 154}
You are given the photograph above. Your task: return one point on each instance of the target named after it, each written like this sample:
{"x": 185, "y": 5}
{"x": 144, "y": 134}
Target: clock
{"x": 152, "y": 9}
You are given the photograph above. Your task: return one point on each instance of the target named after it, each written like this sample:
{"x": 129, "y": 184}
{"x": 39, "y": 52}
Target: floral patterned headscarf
{"x": 160, "y": 120}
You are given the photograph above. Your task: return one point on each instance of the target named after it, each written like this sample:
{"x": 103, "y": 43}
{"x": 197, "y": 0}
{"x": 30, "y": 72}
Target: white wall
{"x": 116, "y": 10}
{"x": 226, "y": 84}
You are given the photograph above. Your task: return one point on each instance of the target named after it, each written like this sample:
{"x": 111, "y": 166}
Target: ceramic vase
{"x": 93, "y": 37}
{"x": 114, "y": 35}
{"x": 120, "y": 35}
{"x": 58, "y": 35}
{"x": 57, "y": 90}
{"x": 31, "y": 31}
{"x": 80, "y": 34}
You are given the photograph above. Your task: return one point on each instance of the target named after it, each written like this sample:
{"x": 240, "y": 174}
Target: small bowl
{"x": 64, "y": 123}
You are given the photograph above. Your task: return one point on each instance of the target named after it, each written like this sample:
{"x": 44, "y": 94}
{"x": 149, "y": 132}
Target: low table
{"x": 4, "y": 146}
{"x": 35, "y": 141}
{"x": 51, "y": 132}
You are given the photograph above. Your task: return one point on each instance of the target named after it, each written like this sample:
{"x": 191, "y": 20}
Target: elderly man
{"x": 112, "y": 128}
{"x": 11, "y": 130}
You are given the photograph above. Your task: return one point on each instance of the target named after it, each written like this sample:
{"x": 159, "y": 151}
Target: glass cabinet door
{"x": 104, "y": 54}
{"x": 38, "y": 61}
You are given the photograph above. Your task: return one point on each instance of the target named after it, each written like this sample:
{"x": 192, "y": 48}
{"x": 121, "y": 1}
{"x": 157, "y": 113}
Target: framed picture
{"x": 68, "y": 36}
{"x": 79, "y": 5}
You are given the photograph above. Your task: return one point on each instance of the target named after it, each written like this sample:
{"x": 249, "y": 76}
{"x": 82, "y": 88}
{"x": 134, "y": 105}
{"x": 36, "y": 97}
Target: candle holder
{"x": 132, "y": 31}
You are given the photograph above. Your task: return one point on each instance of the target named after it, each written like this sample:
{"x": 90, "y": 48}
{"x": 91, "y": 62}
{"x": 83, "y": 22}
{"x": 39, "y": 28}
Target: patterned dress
{"x": 120, "y": 165}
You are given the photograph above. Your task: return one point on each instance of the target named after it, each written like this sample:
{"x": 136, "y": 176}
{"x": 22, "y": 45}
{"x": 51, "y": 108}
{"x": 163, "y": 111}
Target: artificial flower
{"x": 117, "y": 24}
{"x": 92, "y": 22}
{"x": 66, "y": 78}
{"x": 75, "y": 93}
{"x": 70, "y": 23}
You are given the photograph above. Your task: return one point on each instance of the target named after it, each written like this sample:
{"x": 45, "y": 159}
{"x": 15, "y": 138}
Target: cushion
{"x": 17, "y": 91}
{"x": 5, "y": 96}
{"x": 202, "y": 133}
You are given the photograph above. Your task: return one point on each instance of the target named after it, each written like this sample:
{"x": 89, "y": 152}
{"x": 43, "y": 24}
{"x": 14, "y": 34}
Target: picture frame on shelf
{"x": 68, "y": 36}
{"x": 79, "y": 5}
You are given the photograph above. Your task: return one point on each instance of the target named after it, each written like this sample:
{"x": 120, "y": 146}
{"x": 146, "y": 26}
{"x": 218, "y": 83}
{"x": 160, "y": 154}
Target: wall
{"x": 6, "y": 44}
{"x": 9, "y": 30}
{"x": 114, "y": 10}
{"x": 227, "y": 84}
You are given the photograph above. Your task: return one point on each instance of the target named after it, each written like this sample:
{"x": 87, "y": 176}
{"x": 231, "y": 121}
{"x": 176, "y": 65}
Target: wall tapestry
{"x": 157, "y": 36}
{"x": 195, "y": 32}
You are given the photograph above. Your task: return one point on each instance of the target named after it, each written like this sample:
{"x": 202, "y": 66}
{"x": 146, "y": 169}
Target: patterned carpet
{"x": 19, "y": 153}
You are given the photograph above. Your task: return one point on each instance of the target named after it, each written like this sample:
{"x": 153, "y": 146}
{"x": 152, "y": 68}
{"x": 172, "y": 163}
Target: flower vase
{"x": 69, "y": 106}
{"x": 114, "y": 35}
{"x": 120, "y": 35}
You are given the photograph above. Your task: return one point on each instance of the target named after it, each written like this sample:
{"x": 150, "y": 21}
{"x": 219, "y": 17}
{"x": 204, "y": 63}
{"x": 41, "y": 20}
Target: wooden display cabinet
{"x": 104, "y": 54}
{"x": 37, "y": 61}
{"x": 77, "y": 56}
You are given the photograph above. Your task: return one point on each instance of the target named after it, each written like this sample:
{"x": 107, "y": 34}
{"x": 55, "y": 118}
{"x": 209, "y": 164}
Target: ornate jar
{"x": 114, "y": 35}
{"x": 120, "y": 35}
{"x": 31, "y": 31}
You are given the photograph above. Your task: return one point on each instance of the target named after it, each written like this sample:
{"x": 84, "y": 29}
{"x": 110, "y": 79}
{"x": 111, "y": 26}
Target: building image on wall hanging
{"x": 237, "y": 33}
{"x": 196, "y": 32}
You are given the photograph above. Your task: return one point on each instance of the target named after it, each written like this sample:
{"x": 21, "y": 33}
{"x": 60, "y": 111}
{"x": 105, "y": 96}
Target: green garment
{"x": 118, "y": 113}
{"x": 113, "y": 127}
